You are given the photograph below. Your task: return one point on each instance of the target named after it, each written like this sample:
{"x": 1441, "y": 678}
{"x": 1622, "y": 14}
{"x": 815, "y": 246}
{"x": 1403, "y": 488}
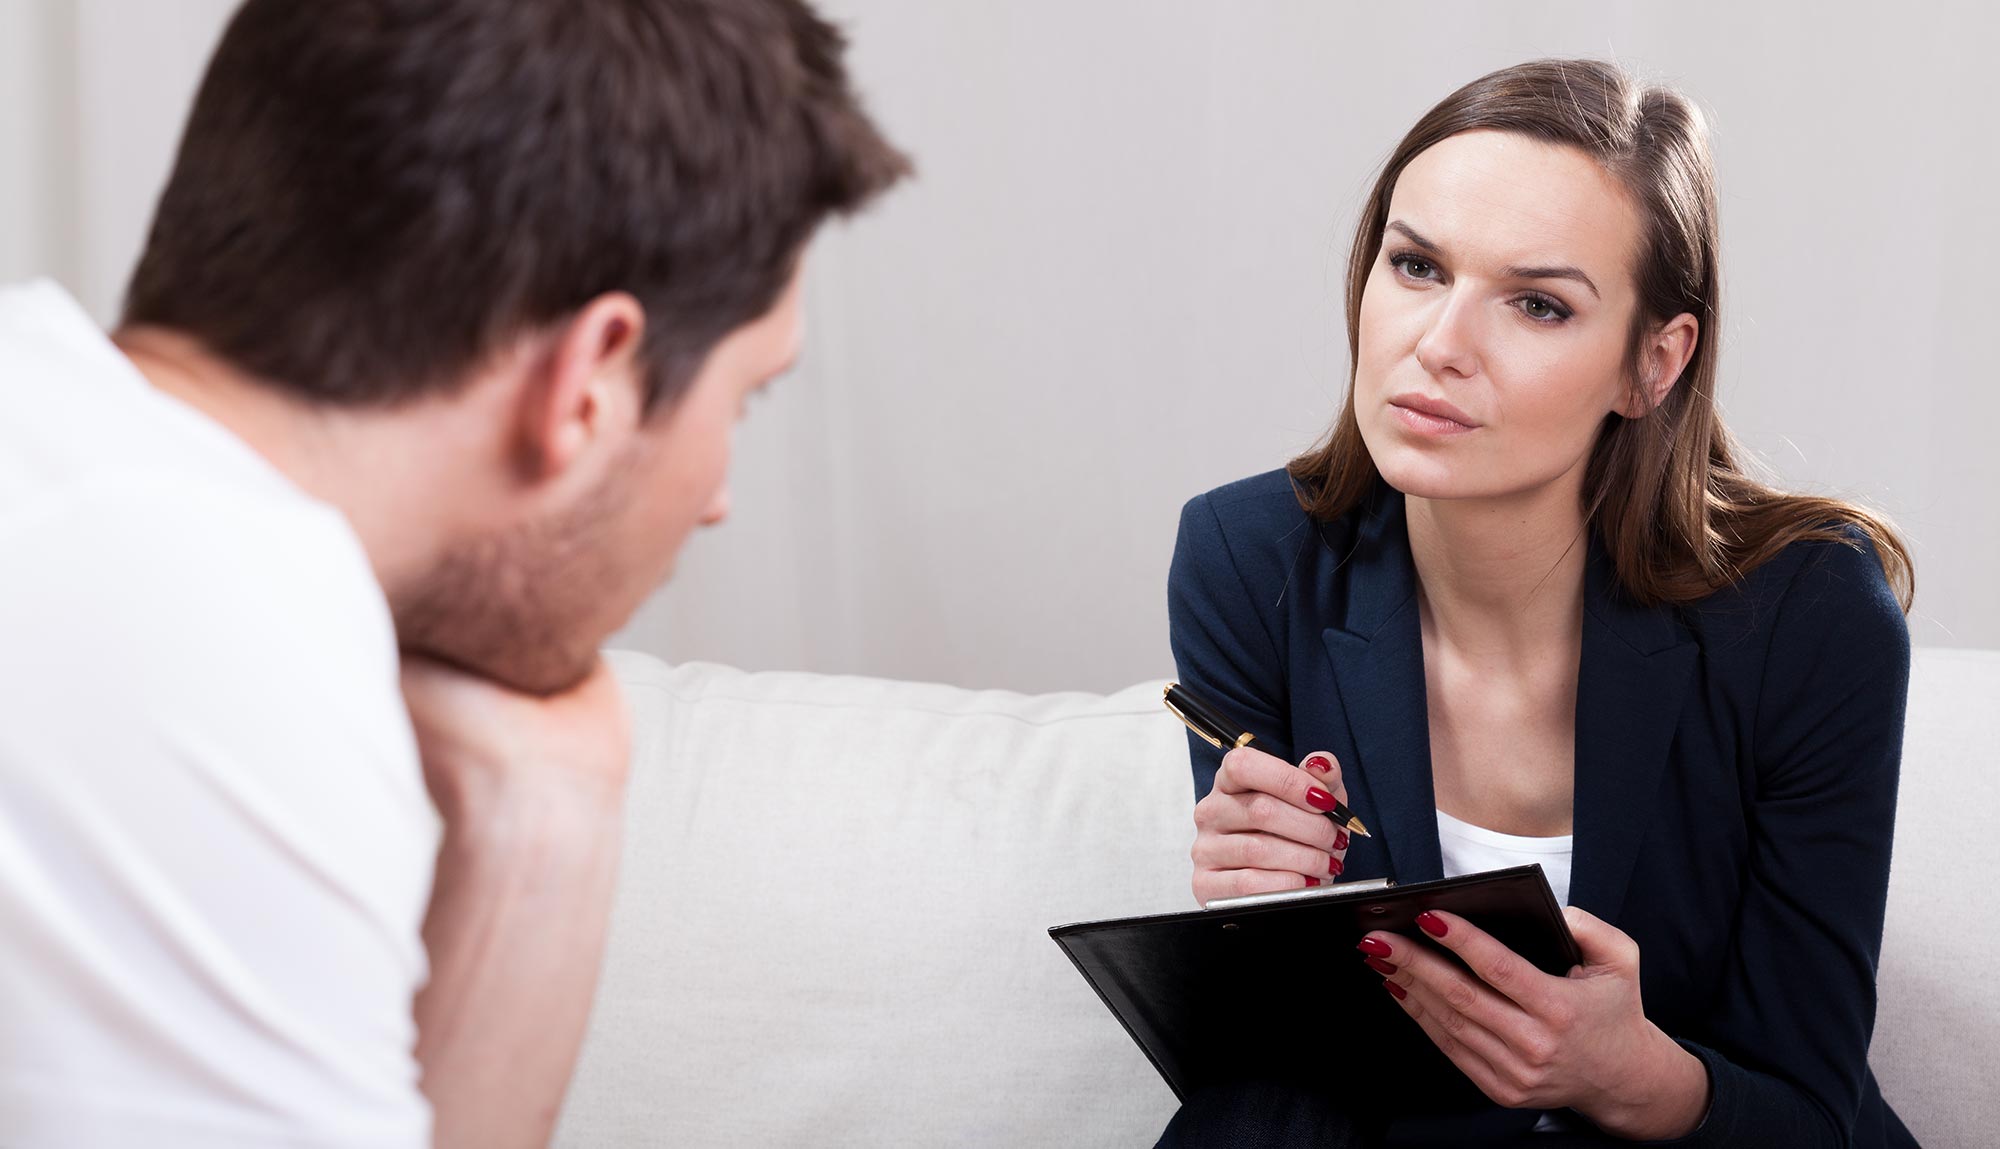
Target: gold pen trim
{"x": 1205, "y": 736}
{"x": 1213, "y": 738}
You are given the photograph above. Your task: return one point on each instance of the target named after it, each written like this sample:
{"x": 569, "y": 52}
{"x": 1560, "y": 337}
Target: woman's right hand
{"x": 1264, "y": 826}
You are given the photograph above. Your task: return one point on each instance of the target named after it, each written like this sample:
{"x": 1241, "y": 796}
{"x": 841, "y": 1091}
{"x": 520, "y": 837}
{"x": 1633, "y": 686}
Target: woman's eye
{"x": 1411, "y": 266}
{"x": 1545, "y": 310}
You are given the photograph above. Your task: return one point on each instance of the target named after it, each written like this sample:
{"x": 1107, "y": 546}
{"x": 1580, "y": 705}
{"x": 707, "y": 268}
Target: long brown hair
{"x": 1678, "y": 515}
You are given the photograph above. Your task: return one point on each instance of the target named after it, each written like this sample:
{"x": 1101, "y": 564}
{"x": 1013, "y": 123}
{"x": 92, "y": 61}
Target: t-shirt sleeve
{"x": 213, "y": 822}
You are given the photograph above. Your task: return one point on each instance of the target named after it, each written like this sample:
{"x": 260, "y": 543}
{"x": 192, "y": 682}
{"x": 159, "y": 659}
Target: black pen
{"x": 1208, "y": 723}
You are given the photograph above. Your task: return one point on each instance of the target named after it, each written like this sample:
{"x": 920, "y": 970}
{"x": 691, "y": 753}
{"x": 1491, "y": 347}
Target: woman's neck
{"x": 1500, "y": 579}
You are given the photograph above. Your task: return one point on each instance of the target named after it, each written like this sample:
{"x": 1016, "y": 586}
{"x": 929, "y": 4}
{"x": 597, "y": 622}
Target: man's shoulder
{"x": 189, "y": 547}
{"x": 76, "y": 418}
{"x": 201, "y": 642}
{"x": 206, "y": 733}
{"x": 250, "y": 623}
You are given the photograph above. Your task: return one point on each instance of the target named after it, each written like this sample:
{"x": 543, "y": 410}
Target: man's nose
{"x": 717, "y": 509}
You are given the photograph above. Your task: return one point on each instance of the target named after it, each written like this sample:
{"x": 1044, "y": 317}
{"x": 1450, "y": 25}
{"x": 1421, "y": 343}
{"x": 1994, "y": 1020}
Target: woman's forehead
{"x": 1498, "y": 199}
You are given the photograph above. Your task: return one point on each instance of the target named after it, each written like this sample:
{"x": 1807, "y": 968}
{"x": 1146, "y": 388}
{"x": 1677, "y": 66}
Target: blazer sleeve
{"x": 1222, "y": 643}
{"x": 1787, "y": 1048}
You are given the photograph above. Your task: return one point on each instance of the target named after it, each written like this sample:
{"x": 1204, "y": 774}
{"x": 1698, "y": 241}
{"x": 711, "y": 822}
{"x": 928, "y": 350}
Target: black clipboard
{"x": 1191, "y": 988}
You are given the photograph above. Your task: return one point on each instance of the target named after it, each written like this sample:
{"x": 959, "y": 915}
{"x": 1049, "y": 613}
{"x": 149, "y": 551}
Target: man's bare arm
{"x": 531, "y": 791}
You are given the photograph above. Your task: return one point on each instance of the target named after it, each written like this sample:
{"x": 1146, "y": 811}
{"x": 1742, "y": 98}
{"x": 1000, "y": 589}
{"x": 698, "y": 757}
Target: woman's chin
{"x": 1424, "y": 478}
{"x": 1432, "y": 480}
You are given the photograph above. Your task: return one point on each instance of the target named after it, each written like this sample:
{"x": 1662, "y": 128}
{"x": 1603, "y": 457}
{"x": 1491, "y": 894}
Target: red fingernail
{"x": 1395, "y": 991}
{"x": 1319, "y": 764}
{"x": 1334, "y": 866}
{"x": 1311, "y": 881}
{"x": 1375, "y": 947}
{"x": 1340, "y": 839}
{"x": 1431, "y": 924}
{"x": 1379, "y": 966}
{"x": 1320, "y": 799}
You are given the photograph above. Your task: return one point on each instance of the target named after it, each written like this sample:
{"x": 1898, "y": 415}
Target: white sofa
{"x": 832, "y": 922}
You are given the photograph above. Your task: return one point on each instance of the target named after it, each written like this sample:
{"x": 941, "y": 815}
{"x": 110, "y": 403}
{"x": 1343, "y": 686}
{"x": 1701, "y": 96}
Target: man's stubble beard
{"x": 520, "y": 607}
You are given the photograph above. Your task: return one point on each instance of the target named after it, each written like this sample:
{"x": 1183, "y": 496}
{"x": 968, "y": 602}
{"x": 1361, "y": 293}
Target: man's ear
{"x": 590, "y": 387}
{"x": 1666, "y": 356}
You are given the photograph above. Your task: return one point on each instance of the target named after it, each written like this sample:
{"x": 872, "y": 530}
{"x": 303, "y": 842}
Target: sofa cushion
{"x": 831, "y": 926}
{"x": 1936, "y": 1051}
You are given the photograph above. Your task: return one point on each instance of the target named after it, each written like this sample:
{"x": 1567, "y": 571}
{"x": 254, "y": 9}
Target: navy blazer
{"x": 1736, "y": 768}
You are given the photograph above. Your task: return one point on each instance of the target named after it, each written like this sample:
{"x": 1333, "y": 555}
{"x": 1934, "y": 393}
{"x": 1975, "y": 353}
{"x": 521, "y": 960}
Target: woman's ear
{"x": 591, "y": 389}
{"x": 1666, "y": 355}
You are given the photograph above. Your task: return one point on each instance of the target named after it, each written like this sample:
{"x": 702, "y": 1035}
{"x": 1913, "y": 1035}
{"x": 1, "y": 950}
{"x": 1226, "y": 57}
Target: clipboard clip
{"x": 1337, "y": 889}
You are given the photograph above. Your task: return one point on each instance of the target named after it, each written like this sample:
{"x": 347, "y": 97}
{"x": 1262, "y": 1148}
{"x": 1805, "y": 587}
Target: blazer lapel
{"x": 1377, "y": 653}
{"x": 1631, "y": 687}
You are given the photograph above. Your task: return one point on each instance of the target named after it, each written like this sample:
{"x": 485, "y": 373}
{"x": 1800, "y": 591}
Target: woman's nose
{"x": 1449, "y": 345}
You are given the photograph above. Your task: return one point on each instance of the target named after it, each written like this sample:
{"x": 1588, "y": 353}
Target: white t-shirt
{"x": 215, "y": 844}
{"x": 1470, "y": 849}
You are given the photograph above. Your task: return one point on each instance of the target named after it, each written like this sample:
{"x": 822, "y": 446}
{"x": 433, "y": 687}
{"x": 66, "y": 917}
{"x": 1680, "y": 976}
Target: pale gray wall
{"x": 38, "y": 221}
{"x": 1116, "y": 284}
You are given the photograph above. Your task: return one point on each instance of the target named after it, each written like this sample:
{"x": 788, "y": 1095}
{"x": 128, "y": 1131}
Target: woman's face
{"x": 1495, "y": 318}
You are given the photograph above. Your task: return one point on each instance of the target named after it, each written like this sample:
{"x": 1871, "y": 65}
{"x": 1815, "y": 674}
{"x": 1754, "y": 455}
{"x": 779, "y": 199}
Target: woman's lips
{"x": 1425, "y": 423}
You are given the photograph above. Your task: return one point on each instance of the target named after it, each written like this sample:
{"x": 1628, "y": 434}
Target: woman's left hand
{"x": 1532, "y": 1040}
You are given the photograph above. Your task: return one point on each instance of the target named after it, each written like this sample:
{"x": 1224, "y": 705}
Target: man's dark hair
{"x": 372, "y": 195}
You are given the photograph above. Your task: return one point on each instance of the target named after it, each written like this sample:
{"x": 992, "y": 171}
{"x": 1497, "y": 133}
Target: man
{"x": 435, "y": 347}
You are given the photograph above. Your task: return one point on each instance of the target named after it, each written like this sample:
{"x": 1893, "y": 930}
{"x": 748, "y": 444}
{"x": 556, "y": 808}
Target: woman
{"x": 1525, "y": 605}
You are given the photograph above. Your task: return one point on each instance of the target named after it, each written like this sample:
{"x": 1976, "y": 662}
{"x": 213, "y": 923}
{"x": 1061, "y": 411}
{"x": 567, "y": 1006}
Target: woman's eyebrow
{"x": 1410, "y": 234}
{"x": 1563, "y": 271}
